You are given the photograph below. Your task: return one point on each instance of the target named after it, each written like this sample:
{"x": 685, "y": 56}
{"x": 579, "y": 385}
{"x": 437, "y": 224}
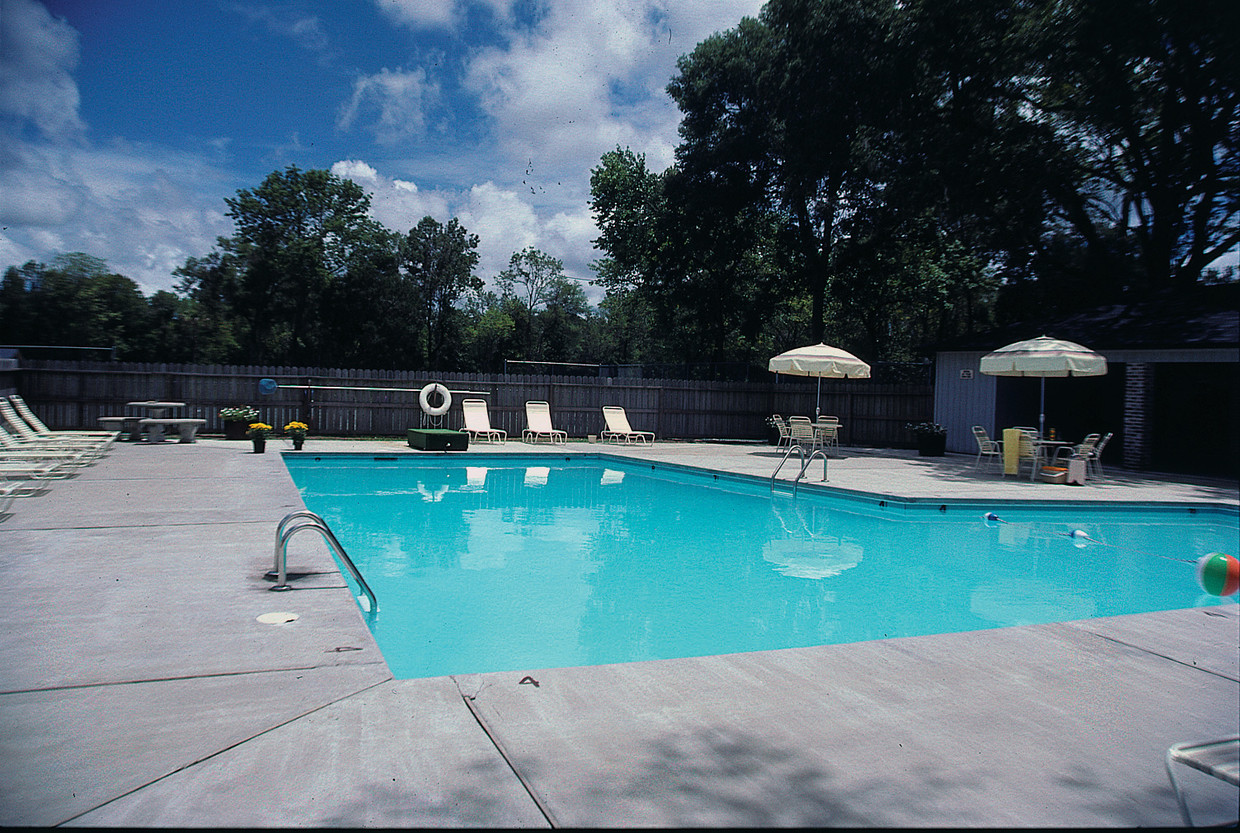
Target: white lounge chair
{"x": 25, "y": 433}
{"x": 478, "y": 422}
{"x": 618, "y": 429}
{"x": 16, "y": 449}
{"x": 538, "y": 424}
{"x": 42, "y": 430}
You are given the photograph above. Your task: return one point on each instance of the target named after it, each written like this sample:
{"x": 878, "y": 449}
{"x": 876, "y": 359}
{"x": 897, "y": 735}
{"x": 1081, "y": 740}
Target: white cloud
{"x": 396, "y": 100}
{"x": 142, "y": 210}
{"x": 38, "y": 55}
{"x": 420, "y": 13}
{"x": 504, "y": 221}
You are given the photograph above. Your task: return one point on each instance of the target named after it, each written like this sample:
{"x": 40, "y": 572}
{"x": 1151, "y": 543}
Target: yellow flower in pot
{"x": 297, "y": 432}
{"x": 258, "y": 433}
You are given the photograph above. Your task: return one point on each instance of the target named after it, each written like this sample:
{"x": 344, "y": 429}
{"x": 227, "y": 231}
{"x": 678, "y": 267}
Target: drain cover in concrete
{"x": 277, "y": 618}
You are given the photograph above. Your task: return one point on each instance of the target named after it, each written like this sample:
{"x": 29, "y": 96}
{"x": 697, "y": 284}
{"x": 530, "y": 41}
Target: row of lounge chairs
{"x": 31, "y": 454}
{"x": 539, "y": 427}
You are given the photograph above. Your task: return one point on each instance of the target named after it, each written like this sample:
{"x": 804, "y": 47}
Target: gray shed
{"x": 1171, "y": 394}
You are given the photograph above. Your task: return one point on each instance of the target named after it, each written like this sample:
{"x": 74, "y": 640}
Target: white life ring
{"x": 425, "y": 396}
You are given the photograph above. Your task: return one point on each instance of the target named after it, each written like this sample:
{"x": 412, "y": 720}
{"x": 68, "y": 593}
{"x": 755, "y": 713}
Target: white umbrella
{"x": 1044, "y": 356}
{"x": 820, "y": 360}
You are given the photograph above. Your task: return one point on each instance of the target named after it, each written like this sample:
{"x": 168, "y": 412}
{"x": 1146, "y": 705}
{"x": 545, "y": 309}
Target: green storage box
{"x": 438, "y": 439}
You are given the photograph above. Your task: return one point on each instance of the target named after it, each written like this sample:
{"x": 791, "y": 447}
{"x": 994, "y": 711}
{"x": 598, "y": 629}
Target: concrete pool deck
{"x": 137, "y": 687}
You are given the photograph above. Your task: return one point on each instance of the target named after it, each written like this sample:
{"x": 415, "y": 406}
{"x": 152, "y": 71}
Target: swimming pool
{"x": 509, "y": 562}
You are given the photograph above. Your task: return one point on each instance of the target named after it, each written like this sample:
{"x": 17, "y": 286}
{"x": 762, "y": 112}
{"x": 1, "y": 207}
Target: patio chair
{"x": 538, "y": 424}
{"x": 781, "y": 425}
{"x": 1217, "y": 758}
{"x": 1094, "y": 461}
{"x": 618, "y": 429}
{"x": 1082, "y": 449}
{"x": 803, "y": 433}
{"x": 43, "y": 431}
{"x": 828, "y": 428}
{"x": 1028, "y": 449}
{"x": 986, "y": 447}
{"x": 478, "y": 422}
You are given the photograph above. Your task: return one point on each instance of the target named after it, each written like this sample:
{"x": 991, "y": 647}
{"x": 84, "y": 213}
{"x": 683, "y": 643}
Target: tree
{"x": 533, "y": 280}
{"x": 297, "y": 233}
{"x": 439, "y": 261}
{"x": 1144, "y": 100}
{"x": 74, "y": 301}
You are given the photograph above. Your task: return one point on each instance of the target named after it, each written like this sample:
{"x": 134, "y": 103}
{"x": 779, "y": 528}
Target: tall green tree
{"x": 296, "y": 234}
{"x": 535, "y": 282}
{"x": 438, "y": 260}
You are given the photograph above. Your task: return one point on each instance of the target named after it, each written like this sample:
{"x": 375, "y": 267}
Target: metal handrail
{"x": 805, "y": 462}
{"x": 305, "y": 519}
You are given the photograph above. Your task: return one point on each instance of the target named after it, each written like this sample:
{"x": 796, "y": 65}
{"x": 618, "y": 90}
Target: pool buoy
{"x": 1218, "y": 574}
{"x": 1079, "y": 537}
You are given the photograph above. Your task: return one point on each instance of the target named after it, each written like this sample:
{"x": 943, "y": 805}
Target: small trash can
{"x": 1076, "y": 471}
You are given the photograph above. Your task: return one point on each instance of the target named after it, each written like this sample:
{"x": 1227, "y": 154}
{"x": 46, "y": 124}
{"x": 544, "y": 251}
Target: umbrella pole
{"x": 1042, "y": 412}
{"x": 818, "y": 401}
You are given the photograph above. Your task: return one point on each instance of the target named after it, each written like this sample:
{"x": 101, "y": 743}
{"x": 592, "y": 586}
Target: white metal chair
{"x": 986, "y": 447}
{"x": 1028, "y": 449}
{"x": 1218, "y": 758}
{"x": 538, "y": 424}
{"x": 618, "y": 429}
{"x": 828, "y": 428}
{"x": 1082, "y": 449}
{"x": 802, "y": 432}
{"x": 1094, "y": 461}
{"x": 785, "y": 436}
{"x": 478, "y": 422}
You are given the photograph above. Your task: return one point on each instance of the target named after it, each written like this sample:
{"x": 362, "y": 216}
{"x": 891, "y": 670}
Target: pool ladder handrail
{"x": 305, "y": 519}
{"x": 805, "y": 462}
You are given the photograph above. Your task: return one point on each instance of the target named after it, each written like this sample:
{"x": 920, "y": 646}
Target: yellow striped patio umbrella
{"x": 1044, "y": 356}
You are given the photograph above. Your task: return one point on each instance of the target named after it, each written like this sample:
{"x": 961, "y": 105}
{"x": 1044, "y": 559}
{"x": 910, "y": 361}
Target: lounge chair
{"x": 16, "y": 449}
{"x": 618, "y": 429}
{"x": 10, "y": 490}
{"x": 986, "y": 447}
{"x": 43, "y": 431}
{"x": 70, "y": 440}
{"x": 1217, "y": 758}
{"x": 478, "y": 422}
{"x": 538, "y": 424}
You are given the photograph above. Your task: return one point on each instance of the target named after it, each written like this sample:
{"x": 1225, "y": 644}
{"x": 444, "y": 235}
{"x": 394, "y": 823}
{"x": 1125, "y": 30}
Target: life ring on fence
{"x": 424, "y": 399}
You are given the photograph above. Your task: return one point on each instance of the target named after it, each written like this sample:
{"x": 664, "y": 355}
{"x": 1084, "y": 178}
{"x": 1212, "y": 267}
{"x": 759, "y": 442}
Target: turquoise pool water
{"x": 505, "y": 562}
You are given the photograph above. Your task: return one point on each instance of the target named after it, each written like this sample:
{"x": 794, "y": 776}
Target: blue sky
{"x": 125, "y": 123}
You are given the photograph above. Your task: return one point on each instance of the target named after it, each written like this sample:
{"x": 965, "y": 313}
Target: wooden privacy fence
{"x": 73, "y": 395}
